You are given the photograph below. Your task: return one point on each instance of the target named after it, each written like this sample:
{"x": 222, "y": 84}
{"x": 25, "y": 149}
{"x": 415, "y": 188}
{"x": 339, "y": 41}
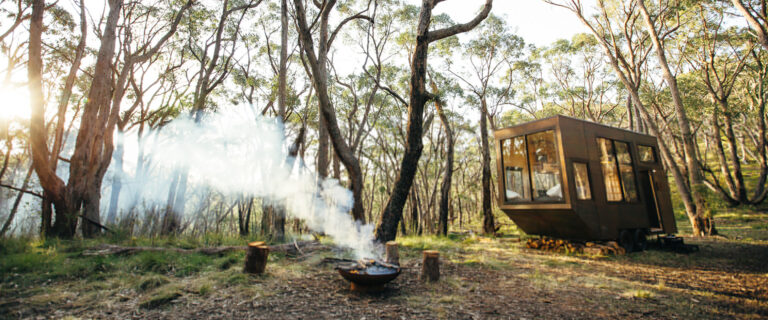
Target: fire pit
{"x": 369, "y": 275}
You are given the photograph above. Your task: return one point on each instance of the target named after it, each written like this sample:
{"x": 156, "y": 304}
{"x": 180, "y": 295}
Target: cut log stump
{"x": 256, "y": 258}
{"x": 393, "y": 257}
{"x": 430, "y": 267}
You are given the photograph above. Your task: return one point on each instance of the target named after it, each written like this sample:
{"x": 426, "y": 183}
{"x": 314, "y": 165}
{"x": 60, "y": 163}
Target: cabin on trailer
{"x": 574, "y": 179}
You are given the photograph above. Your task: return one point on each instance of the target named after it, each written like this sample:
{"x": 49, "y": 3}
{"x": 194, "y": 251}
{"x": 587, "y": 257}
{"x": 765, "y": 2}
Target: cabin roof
{"x": 588, "y": 122}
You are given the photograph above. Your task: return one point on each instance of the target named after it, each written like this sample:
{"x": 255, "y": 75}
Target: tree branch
{"x": 345, "y": 21}
{"x": 459, "y": 28}
{"x": 21, "y": 190}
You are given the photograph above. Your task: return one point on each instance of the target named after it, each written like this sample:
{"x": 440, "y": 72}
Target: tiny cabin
{"x": 574, "y": 179}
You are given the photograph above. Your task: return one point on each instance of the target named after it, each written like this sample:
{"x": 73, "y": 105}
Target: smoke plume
{"x": 236, "y": 153}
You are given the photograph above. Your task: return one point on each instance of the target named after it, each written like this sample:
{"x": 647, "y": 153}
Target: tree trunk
{"x": 730, "y": 136}
{"x": 489, "y": 225}
{"x": 54, "y": 188}
{"x": 386, "y": 230}
{"x": 689, "y": 148}
{"x": 46, "y": 222}
{"x": 760, "y": 30}
{"x": 117, "y": 181}
{"x": 93, "y": 149}
{"x": 322, "y": 148}
{"x": 387, "y": 227}
{"x": 631, "y": 107}
{"x": 318, "y": 65}
{"x": 266, "y": 217}
{"x": 16, "y": 203}
{"x": 170, "y": 221}
{"x": 730, "y": 195}
{"x": 445, "y": 187}
{"x": 760, "y": 190}
{"x": 278, "y": 211}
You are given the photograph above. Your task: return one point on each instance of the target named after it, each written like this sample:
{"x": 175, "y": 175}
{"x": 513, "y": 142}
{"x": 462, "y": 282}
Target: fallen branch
{"x": 96, "y": 223}
{"x": 287, "y": 248}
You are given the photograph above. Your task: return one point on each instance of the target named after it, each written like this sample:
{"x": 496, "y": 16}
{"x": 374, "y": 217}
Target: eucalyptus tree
{"x": 94, "y": 144}
{"x": 448, "y": 152}
{"x": 266, "y": 51}
{"x": 531, "y": 90}
{"x": 316, "y": 49}
{"x": 156, "y": 101}
{"x": 213, "y": 35}
{"x": 18, "y": 11}
{"x": 386, "y": 229}
{"x": 490, "y": 54}
{"x": 753, "y": 94}
{"x": 136, "y": 59}
{"x": 583, "y": 85}
{"x": 665, "y": 21}
{"x": 720, "y": 55}
{"x": 756, "y": 14}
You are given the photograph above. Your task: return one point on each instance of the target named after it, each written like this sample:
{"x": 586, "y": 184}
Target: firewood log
{"x": 393, "y": 257}
{"x": 256, "y": 258}
{"x": 430, "y": 268}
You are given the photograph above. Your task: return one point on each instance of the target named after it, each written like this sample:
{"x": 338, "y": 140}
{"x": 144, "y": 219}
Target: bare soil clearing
{"x": 480, "y": 278}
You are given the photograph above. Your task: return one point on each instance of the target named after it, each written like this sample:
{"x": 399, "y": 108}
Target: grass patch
{"x": 160, "y": 297}
{"x": 418, "y": 243}
{"x": 639, "y": 294}
{"x": 151, "y": 282}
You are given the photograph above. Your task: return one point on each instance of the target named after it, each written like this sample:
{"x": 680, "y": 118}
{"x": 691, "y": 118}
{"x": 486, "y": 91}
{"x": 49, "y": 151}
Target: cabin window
{"x": 515, "y": 171}
{"x": 581, "y": 179}
{"x": 545, "y": 166}
{"x": 618, "y": 170}
{"x": 646, "y": 154}
{"x": 610, "y": 172}
{"x": 626, "y": 171}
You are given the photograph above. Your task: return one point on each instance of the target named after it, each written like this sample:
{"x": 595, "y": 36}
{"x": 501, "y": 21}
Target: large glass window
{"x": 581, "y": 179}
{"x": 515, "y": 171}
{"x": 610, "y": 172}
{"x": 618, "y": 171}
{"x": 626, "y": 171}
{"x": 545, "y": 166}
{"x": 531, "y": 168}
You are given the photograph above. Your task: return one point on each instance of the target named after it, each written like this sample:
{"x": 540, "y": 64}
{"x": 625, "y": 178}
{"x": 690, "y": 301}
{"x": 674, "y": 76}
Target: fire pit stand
{"x": 369, "y": 275}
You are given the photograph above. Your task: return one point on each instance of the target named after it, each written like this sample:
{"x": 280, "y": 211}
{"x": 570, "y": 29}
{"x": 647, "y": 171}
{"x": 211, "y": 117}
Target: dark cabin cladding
{"x": 574, "y": 179}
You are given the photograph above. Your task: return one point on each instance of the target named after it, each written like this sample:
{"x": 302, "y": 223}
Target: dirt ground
{"x": 480, "y": 279}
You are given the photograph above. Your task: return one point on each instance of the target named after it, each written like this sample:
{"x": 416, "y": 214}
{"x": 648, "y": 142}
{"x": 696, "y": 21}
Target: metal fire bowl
{"x": 364, "y": 279}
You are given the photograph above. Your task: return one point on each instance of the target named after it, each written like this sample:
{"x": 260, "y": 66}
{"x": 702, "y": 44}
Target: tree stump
{"x": 430, "y": 267}
{"x": 393, "y": 257}
{"x": 256, "y": 257}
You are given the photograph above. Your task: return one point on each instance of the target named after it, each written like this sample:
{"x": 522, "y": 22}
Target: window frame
{"x": 527, "y": 168}
{"x": 618, "y": 169}
{"x": 654, "y": 154}
{"x": 588, "y": 177}
{"x": 525, "y": 171}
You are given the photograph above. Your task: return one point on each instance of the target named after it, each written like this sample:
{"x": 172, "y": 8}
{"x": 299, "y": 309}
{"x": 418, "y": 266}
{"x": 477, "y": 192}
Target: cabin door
{"x": 648, "y": 186}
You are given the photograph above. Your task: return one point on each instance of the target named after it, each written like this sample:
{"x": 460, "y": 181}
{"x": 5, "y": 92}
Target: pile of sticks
{"x": 566, "y": 246}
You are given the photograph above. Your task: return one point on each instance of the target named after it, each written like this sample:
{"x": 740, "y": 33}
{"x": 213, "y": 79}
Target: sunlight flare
{"x": 14, "y": 102}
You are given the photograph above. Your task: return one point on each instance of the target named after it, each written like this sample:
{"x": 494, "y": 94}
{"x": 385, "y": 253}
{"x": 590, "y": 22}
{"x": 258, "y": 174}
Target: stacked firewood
{"x": 566, "y": 246}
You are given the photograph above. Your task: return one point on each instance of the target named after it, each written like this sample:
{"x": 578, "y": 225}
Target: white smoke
{"x": 237, "y": 153}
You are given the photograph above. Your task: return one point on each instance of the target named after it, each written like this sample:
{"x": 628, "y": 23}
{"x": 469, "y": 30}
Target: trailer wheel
{"x": 641, "y": 242}
{"x": 627, "y": 240}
